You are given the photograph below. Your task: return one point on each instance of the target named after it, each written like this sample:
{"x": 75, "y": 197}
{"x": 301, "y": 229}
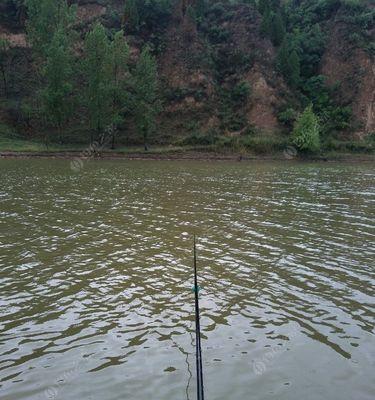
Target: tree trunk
{"x": 46, "y": 139}
{"x": 145, "y": 140}
{"x": 4, "y": 81}
{"x": 60, "y": 134}
{"x": 113, "y": 140}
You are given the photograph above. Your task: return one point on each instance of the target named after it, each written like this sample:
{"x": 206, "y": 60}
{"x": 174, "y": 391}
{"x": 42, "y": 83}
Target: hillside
{"x": 228, "y": 72}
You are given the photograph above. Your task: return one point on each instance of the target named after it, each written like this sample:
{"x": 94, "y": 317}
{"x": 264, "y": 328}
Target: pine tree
{"x": 45, "y": 17}
{"x": 266, "y": 24}
{"x": 147, "y": 103}
{"x": 97, "y": 71}
{"x": 57, "y": 75}
{"x": 200, "y": 9}
{"x": 264, "y": 7}
{"x": 119, "y": 57}
{"x": 131, "y": 15}
{"x": 289, "y": 62}
{"x": 306, "y": 132}
{"x": 278, "y": 29}
{"x": 283, "y": 58}
{"x": 294, "y": 69}
{"x": 4, "y": 47}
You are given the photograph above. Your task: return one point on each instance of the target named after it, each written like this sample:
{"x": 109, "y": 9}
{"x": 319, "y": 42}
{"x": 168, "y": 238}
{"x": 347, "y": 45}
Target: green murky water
{"x": 96, "y": 277}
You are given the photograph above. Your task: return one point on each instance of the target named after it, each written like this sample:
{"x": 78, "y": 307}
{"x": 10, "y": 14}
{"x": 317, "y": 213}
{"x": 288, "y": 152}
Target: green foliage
{"x": 146, "y": 94}
{"x": 97, "y": 73}
{"x": 217, "y": 34}
{"x": 264, "y": 144}
{"x": 232, "y": 103}
{"x": 149, "y": 14}
{"x": 287, "y": 117}
{"x": 131, "y": 15}
{"x": 4, "y": 48}
{"x": 45, "y": 17}
{"x": 278, "y": 29}
{"x": 333, "y": 117}
{"x": 57, "y": 75}
{"x": 217, "y": 9}
{"x": 288, "y": 62}
{"x": 306, "y": 132}
{"x": 199, "y": 139}
{"x": 311, "y": 44}
{"x": 273, "y": 24}
{"x": 107, "y": 78}
{"x": 114, "y": 87}
{"x": 240, "y": 92}
{"x": 264, "y": 7}
{"x": 200, "y": 9}
{"x": 266, "y": 24}
{"x": 119, "y": 76}
{"x": 367, "y": 145}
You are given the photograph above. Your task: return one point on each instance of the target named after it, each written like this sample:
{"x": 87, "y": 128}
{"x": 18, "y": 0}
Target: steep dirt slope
{"x": 353, "y": 70}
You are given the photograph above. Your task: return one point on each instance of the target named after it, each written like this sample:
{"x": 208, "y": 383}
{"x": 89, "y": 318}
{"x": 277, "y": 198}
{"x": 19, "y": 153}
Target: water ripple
{"x": 95, "y": 275}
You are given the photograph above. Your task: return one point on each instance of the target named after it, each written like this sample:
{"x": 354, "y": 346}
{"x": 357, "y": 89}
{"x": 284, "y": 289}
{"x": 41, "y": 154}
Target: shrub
{"x": 306, "y": 132}
{"x": 287, "y": 117}
{"x": 264, "y": 144}
{"x": 241, "y": 92}
{"x": 198, "y": 139}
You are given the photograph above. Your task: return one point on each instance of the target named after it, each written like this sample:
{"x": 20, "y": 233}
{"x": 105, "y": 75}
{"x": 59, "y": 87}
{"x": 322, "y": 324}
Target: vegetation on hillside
{"x": 89, "y": 76}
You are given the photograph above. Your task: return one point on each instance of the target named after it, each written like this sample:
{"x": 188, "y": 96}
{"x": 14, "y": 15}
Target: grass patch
{"x": 256, "y": 144}
{"x": 22, "y": 145}
{"x": 366, "y": 146}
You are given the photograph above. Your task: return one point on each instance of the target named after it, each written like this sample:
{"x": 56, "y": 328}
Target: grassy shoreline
{"x": 10, "y": 148}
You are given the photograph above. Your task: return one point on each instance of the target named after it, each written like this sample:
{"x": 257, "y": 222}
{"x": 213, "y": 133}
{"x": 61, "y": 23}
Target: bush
{"x": 306, "y": 132}
{"x": 241, "y": 92}
{"x": 199, "y": 139}
{"x": 217, "y": 9}
{"x": 366, "y": 145}
{"x": 218, "y": 35}
{"x": 287, "y": 117}
{"x": 264, "y": 144}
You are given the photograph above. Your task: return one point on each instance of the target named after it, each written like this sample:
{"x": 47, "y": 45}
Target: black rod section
{"x": 200, "y": 389}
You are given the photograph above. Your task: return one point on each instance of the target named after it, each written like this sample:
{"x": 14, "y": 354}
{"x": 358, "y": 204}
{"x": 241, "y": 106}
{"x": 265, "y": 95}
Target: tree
{"x": 200, "y": 9}
{"x": 131, "y": 15}
{"x": 294, "y": 69}
{"x": 45, "y": 17}
{"x": 266, "y": 24}
{"x": 147, "y": 103}
{"x": 277, "y": 29}
{"x": 264, "y": 7}
{"x": 57, "y": 75}
{"x": 50, "y": 32}
{"x": 97, "y": 70}
{"x": 289, "y": 63}
{"x": 4, "y": 48}
{"x": 119, "y": 58}
{"x": 306, "y": 132}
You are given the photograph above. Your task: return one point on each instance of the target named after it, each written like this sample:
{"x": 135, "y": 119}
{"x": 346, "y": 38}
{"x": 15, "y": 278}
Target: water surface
{"x": 96, "y": 277}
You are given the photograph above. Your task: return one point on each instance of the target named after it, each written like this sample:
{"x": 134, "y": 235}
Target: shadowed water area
{"x": 96, "y": 277}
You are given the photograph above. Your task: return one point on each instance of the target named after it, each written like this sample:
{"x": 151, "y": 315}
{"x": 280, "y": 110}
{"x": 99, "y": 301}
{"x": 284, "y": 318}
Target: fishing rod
{"x": 198, "y": 347}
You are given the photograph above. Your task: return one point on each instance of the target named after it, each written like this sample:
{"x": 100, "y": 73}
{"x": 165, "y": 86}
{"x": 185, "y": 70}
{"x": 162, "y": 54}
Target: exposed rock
{"x": 262, "y": 110}
{"x": 14, "y": 39}
{"x": 353, "y": 70}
